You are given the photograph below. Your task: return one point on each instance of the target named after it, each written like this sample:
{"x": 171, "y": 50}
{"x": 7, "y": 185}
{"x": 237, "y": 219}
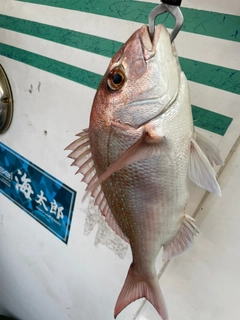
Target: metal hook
{"x": 175, "y": 12}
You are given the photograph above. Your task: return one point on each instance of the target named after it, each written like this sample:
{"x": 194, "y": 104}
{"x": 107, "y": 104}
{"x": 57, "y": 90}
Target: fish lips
{"x": 149, "y": 46}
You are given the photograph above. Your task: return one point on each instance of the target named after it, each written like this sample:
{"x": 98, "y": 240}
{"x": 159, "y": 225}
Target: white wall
{"x": 41, "y": 277}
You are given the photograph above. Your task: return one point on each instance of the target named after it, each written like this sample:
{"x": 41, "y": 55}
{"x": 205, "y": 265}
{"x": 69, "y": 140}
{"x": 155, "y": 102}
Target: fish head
{"x": 142, "y": 80}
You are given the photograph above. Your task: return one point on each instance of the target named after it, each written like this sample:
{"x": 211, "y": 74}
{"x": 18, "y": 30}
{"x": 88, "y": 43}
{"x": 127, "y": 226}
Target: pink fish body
{"x": 137, "y": 155}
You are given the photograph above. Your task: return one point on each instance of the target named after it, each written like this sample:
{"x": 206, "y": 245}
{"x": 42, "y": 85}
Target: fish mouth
{"x": 150, "y": 45}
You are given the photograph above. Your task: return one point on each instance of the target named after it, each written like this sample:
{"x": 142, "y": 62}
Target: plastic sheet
{"x": 105, "y": 235}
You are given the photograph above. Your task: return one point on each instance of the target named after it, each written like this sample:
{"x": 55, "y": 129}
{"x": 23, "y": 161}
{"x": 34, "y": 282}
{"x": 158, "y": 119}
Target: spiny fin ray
{"x": 81, "y": 153}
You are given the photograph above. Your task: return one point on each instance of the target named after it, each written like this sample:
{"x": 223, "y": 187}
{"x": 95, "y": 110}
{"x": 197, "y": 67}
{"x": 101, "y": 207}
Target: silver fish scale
{"x": 145, "y": 128}
{"x": 148, "y": 198}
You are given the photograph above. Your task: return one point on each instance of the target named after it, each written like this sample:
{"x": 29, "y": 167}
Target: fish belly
{"x": 147, "y": 200}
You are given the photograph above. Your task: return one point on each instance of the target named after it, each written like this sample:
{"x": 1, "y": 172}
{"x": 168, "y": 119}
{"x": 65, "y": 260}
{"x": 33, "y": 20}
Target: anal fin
{"x": 182, "y": 241}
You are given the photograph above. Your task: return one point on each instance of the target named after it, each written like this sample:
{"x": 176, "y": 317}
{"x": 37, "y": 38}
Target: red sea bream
{"x": 137, "y": 155}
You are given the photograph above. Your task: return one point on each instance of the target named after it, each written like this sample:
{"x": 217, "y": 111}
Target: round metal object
{"x": 6, "y": 102}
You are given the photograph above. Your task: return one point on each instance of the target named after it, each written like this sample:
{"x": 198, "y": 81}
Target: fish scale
{"x": 150, "y": 181}
{"x": 140, "y": 149}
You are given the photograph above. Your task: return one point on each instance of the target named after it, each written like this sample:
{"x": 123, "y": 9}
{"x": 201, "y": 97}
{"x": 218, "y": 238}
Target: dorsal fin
{"x": 81, "y": 153}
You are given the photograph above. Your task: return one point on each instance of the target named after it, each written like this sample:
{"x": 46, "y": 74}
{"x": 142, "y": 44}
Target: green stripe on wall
{"x": 58, "y": 68}
{"x": 208, "y": 120}
{"x": 214, "y": 24}
{"x": 211, "y": 75}
{"x": 79, "y": 40}
{"x": 204, "y": 73}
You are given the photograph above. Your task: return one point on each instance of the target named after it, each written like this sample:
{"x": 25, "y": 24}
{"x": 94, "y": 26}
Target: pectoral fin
{"x": 147, "y": 146}
{"x": 201, "y": 171}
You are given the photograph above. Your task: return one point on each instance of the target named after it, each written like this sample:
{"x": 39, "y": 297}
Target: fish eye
{"x": 116, "y": 79}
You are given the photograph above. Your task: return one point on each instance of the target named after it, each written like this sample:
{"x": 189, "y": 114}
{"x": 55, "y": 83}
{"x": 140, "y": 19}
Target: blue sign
{"x": 42, "y": 196}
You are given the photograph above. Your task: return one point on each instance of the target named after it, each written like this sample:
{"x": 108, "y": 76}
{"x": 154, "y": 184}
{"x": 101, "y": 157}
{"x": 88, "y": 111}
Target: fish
{"x": 138, "y": 154}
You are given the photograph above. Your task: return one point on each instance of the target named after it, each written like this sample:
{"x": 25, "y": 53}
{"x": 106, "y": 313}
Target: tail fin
{"x": 137, "y": 286}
